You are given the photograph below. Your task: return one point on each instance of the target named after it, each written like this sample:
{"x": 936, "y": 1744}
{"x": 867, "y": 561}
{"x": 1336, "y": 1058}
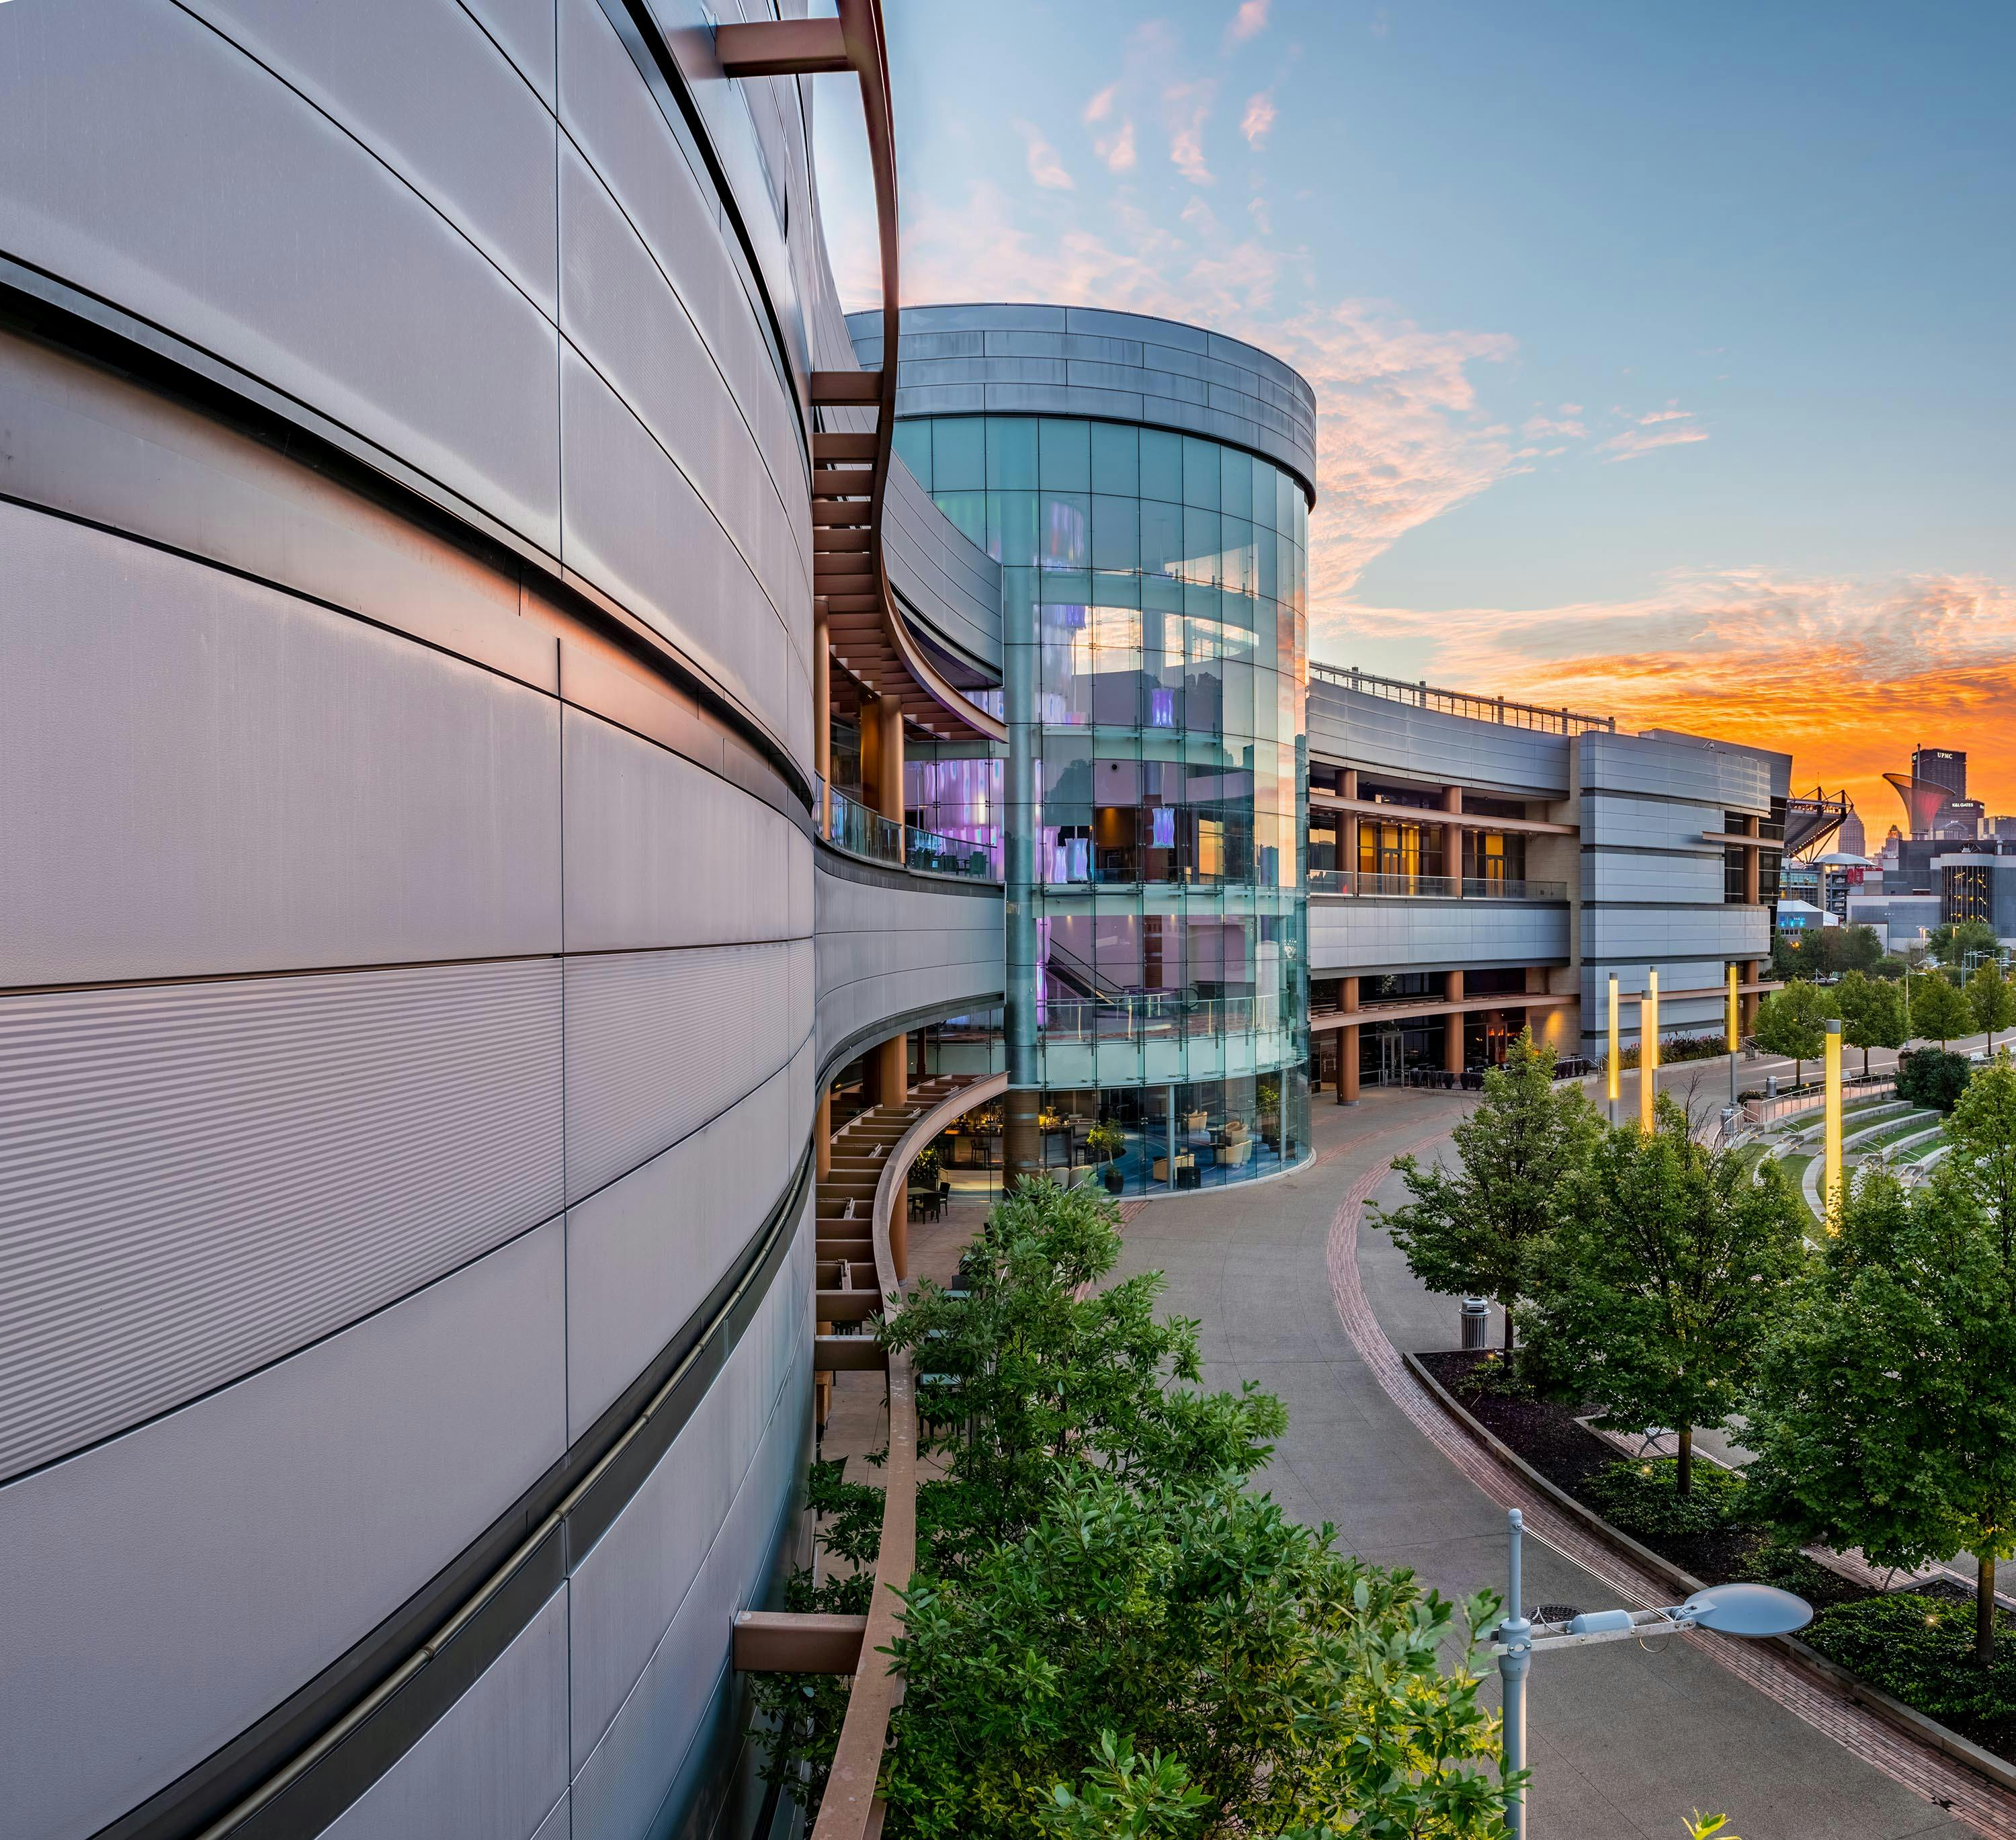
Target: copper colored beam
{"x": 834, "y": 444}
{"x": 847, "y": 1306}
{"x": 787, "y": 1641}
{"x": 856, "y": 389}
{"x": 848, "y": 1354}
{"x": 782, "y": 47}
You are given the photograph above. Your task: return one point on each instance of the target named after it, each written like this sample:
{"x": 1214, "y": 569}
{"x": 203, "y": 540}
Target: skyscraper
{"x": 1942, "y": 766}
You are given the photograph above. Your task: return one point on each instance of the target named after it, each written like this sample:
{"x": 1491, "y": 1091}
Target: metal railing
{"x": 859, "y": 830}
{"x": 1499, "y": 709}
{"x": 1155, "y": 1016}
{"x": 1441, "y": 887}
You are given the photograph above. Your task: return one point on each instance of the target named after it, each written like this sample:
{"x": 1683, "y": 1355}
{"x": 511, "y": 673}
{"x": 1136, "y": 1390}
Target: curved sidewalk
{"x": 1294, "y": 1291}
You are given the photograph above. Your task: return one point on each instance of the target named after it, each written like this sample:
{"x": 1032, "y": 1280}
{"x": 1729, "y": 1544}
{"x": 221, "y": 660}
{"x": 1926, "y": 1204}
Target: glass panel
{"x": 1201, "y": 545}
{"x": 1116, "y": 459}
{"x": 1011, "y": 454}
{"x": 1011, "y": 528}
{"x": 1161, "y": 466}
{"x": 1201, "y": 472}
{"x": 967, "y": 511}
{"x": 1161, "y": 538}
{"x": 958, "y": 458}
{"x": 913, "y": 449}
{"x": 1263, "y": 494}
{"x": 1116, "y": 526}
{"x": 1067, "y": 456}
{"x": 1235, "y": 483}
{"x": 1067, "y": 667}
{"x": 1066, "y": 530}
{"x": 1236, "y": 571}
{"x": 1117, "y": 662}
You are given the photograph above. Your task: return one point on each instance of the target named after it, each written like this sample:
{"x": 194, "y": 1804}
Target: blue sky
{"x": 1665, "y": 351}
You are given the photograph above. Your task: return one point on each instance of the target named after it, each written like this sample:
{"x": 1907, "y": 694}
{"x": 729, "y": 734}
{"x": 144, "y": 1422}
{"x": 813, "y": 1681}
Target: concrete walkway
{"x": 1623, "y": 1741}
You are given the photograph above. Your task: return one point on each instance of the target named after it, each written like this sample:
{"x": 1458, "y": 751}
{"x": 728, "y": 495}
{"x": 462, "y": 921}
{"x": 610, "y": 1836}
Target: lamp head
{"x": 1753, "y": 1610}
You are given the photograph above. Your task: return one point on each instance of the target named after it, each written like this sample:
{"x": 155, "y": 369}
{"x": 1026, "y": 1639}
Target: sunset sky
{"x": 1664, "y": 354}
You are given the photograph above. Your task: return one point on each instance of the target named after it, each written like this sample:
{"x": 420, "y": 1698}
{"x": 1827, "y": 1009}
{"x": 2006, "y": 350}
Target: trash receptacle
{"x": 1476, "y": 1325}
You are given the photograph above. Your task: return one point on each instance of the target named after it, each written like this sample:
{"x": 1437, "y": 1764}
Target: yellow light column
{"x": 1614, "y": 1074}
{"x": 1732, "y": 1033}
{"x": 1648, "y": 1051}
{"x": 1831, "y": 1185}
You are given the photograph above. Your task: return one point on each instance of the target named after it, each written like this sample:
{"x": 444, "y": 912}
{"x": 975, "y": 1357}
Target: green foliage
{"x": 1789, "y": 1022}
{"x": 1300, "y": 1689}
{"x": 1983, "y": 1130}
{"x": 1706, "y": 1827}
{"x": 798, "y": 1716}
{"x": 1872, "y": 1013}
{"x": 1992, "y": 997}
{"x": 1919, "y": 1649}
{"x": 1950, "y": 944}
{"x": 1106, "y": 1140}
{"x": 1826, "y": 952}
{"x": 1641, "y": 1496}
{"x": 1667, "y": 1267}
{"x": 1679, "y": 1047}
{"x": 1937, "y": 1011}
{"x": 1032, "y": 1363}
{"x": 1890, "y": 968}
{"x": 1884, "y": 1411}
{"x": 1474, "y": 1229}
{"x": 1107, "y": 1633}
{"x": 1931, "y": 1076}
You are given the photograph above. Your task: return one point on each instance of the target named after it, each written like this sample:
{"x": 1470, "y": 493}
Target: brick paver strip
{"x": 1985, "y": 1808}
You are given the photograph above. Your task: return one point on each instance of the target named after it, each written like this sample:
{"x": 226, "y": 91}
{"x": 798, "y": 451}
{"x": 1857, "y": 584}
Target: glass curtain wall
{"x": 1162, "y": 580}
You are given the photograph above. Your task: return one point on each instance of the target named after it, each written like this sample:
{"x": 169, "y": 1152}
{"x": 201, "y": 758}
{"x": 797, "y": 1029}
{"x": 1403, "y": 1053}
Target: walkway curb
{"x": 1913, "y": 1723}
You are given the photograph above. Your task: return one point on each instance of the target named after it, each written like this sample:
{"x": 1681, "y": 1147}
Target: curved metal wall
{"x": 1015, "y": 358}
{"x": 409, "y": 1006}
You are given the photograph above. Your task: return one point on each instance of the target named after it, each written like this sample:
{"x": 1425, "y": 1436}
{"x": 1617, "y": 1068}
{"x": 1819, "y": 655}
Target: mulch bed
{"x": 1546, "y": 1435}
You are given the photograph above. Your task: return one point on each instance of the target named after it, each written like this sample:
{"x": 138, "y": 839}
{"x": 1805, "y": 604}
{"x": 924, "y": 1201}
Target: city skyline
{"x": 1679, "y": 433}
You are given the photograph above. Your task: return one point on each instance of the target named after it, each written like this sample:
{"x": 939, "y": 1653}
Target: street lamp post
{"x": 1748, "y": 1610}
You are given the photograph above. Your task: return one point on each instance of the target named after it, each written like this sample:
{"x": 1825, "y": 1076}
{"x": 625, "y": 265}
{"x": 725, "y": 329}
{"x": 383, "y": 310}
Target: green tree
{"x": 1277, "y": 1686}
{"x": 1883, "y": 1411}
{"x": 1789, "y": 1023}
{"x": 1107, "y": 1631}
{"x": 1665, "y": 1270}
{"x": 1951, "y": 943}
{"x": 1872, "y": 1014}
{"x": 1033, "y": 1359}
{"x": 1937, "y": 1012}
{"x": 1993, "y": 998}
{"x": 1474, "y": 1230}
{"x": 1982, "y": 1127}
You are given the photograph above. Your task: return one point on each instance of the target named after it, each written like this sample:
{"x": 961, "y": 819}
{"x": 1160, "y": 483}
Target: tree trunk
{"x": 1683, "y": 1462}
{"x": 1798, "y": 1074}
{"x": 1865, "y": 1063}
{"x": 1508, "y": 1328}
{"x": 1984, "y": 1611}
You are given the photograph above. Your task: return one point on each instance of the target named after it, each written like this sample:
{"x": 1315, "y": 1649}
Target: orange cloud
{"x": 1845, "y": 676}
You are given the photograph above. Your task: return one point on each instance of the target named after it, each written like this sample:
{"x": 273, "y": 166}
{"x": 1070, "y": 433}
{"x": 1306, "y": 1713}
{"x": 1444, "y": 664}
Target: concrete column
{"x": 888, "y": 791}
{"x": 1453, "y": 844}
{"x": 1452, "y": 1028}
{"x": 1747, "y": 1000}
{"x": 1753, "y": 879}
{"x": 823, "y": 1137}
{"x": 1347, "y": 1047}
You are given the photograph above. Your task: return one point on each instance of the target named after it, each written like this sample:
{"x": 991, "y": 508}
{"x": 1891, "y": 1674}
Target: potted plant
{"x": 1267, "y": 1101}
{"x": 924, "y": 1169}
{"x": 1106, "y": 1140}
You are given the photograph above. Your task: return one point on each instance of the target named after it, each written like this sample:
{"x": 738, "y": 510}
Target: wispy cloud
{"x": 1840, "y": 673}
{"x": 1258, "y": 119}
{"x": 1116, "y": 150}
{"x": 1249, "y": 22}
{"x": 1186, "y": 106}
{"x": 1044, "y": 167}
{"x": 1101, "y": 104}
{"x": 1634, "y": 443}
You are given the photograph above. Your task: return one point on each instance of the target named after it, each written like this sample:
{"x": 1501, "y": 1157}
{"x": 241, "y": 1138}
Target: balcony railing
{"x": 1153, "y": 1016}
{"x": 1423, "y": 695}
{"x": 1439, "y": 888}
{"x": 857, "y": 829}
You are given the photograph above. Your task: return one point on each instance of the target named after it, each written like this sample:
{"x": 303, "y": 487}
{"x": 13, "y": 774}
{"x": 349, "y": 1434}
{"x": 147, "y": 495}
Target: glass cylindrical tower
{"x": 1153, "y": 550}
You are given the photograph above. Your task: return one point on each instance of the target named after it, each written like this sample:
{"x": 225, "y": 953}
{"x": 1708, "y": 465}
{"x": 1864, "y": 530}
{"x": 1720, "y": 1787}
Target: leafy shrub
{"x": 1920, "y": 1649}
{"x": 1638, "y": 1497}
{"x": 1933, "y": 1076}
{"x": 1678, "y": 1047}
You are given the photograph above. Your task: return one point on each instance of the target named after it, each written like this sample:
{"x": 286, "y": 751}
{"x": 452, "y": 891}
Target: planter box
{"x": 1810, "y": 1661}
